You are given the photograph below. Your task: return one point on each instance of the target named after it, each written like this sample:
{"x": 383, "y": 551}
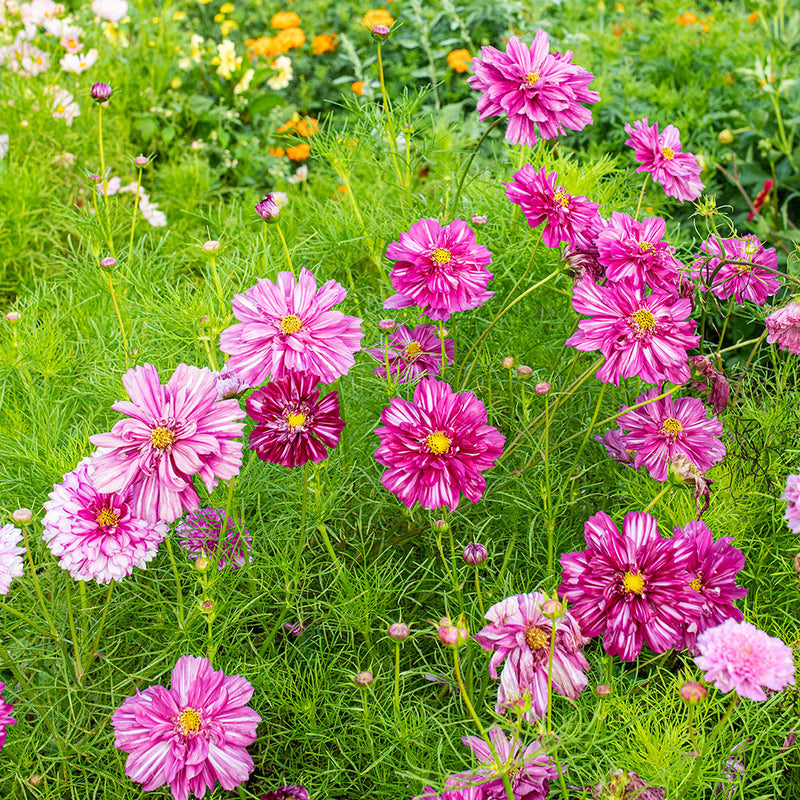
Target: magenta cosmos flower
{"x": 783, "y": 327}
{"x": 632, "y": 587}
{"x": 520, "y": 634}
{"x": 5, "y": 716}
{"x": 635, "y": 252}
{"x": 791, "y": 494}
{"x": 439, "y": 268}
{"x": 567, "y": 218}
{"x": 737, "y": 656}
{"x": 412, "y": 354}
{"x": 287, "y": 793}
{"x": 204, "y": 533}
{"x": 666, "y": 428}
{"x": 293, "y": 425}
{"x": 739, "y": 281}
{"x": 173, "y": 432}
{"x": 290, "y": 326}
{"x": 648, "y": 336}
{"x": 535, "y": 89}
{"x": 436, "y": 446}
{"x": 661, "y": 156}
{"x": 190, "y": 736}
{"x": 10, "y": 556}
{"x": 714, "y": 567}
{"x": 95, "y": 535}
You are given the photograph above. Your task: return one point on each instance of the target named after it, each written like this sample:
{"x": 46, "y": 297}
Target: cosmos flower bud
{"x": 552, "y": 609}
{"x": 475, "y": 554}
{"x": 693, "y": 692}
{"x": 211, "y": 246}
{"x": 453, "y": 635}
{"x": 725, "y": 136}
{"x": 441, "y": 525}
{"x": 22, "y": 516}
{"x": 13, "y": 316}
{"x": 201, "y": 564}
{"x": 141, "y": 161}
{"x": 380, "y": 32}
{"x": 508, "y": 362}
{"x": 387, "y": 325}
{"x": 268, "y": 208}
{"x": 100, "y": 92}
{"x": 207, "y": 605}
{"x": 479, "y": 219}
{"x": 524, "y": 371}
{"x": 542, "y": 388}
{"x": 109, "y": 262}
{"x": 399, "y": 631}
{"x": 364, "y": 678}
{"x": 602, "y": 690}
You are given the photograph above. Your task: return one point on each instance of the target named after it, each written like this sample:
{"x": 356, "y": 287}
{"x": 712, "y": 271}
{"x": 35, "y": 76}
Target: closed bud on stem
{"x": 364, "y": 678}
{"x": 399, "y": 631}
{"x": 693, "y": 692}
{"x": 22, "y": 516}
{"x": 524, "y": 371}
{"x": 542, "y": 388}
{"x": 100, "y": 92}
{"x": 453, "y": 635}
{"x": 109, "y": 262}
{"x": 508, "y": 362}
{"x": 475, "y": 554}
{"x": 387, "y": 325}
{"x": 211, "y": 246}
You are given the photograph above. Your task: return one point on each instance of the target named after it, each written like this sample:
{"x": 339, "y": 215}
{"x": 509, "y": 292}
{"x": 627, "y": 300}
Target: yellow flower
{"x": 226, "y": 8}
{"x": 228, "y": 26}
{"x": 219, "y": 17}
{"x": 377, "y": 16}
{"x": 459, "y": 60}
{"x": 156, "y": 20}
{"x": 285, "y": 19}
{"x": 175, "y": 83}
{"x": 179, "y": 15}
{"x": 229, "y": 62}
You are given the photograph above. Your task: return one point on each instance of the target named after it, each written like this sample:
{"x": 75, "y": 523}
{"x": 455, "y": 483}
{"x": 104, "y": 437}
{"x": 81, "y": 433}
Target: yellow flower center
{"x": 412, "y": 351}
{"x": 291, "y": 324}
{"x": 161, "y": 437}
{"x": 633, "y": 582}
{"x": 562, "y": 198}
{"x": 536, "y": 638}
{"x": 438, "y": 443}
{"x": 671, "y": 426}
{"x": 188, "y": 721}
{"x": 668, "y": 153}
{"x": 696, "y": 584}
{"x": 441, "y": 256}
{"x": 296, "y": 419}
{"x": 531, "y": 78}
{"x": 60, "y": 109}
{"x": 646, "y": 247}
{"x": 107, "y": 518}
{"x": 643, "y": 320}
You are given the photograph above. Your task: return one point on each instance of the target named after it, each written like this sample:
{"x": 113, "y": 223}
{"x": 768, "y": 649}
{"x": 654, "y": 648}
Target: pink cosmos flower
{"x": 172, "y": 433}
{"x": 290, "y": 326}
{"x": 567, "y": 218}
{"x": 614, "y": 442}
{"x": 534, "y": 88}
{"x": 287, "y": 793}
{"x": 714, "y": 567}
{"x": 293, "y": 425}
{"x": 737, "y": 656}
{"x": 648, "y": 336}
{"x": 439, "y": 268}
{"x": 229, "y": 384}
{"x": 520, "y": 633}
{"x": 412, "y": 354}
{"x": 97, "y": 536}
{"x": 202, "y": 534}
{"x": 635, "y": 252}
{"x": 666, "y": 428}
{"x": 436, "y": 446}
{"x": 190, "y": 736}
{"x": 791, "y": 495}
{"x": 783, "y": 326}
{"x": 738, "y": 280}
{"x": 5, "y": 716}
{"x": 10, "y": 556}
{"x": 632, "y": 587}
{"x": 661, "y": 156}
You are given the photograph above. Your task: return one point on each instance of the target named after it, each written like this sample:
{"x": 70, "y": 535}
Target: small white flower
{"x": 78, "y": 62}
{"x": 244, "y": 83}
{"x": 3, "y": 145}
{"x": 111, "y": 10}
{"x": 299, "y": 176}
{"x": 285, "y": 73}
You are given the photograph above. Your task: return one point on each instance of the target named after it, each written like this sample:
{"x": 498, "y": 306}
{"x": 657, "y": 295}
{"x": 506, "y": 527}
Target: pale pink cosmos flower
{"x": 111, "y": 10}
{"x": 10, "y": 556}
{"x": 791, "y": 495}
{"x": 78, "y": 62}
{"x": 783, "y": 327}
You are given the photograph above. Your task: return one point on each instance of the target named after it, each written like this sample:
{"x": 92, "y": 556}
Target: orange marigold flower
{"x": 289, "y": 124}
{"x": 752, "y": 17}
{"x": 307, "y": 127}
{"x": 358, "y": 87}
{"x": 377, "y": 16}
{"x": 290, "y": 38}
{"x": 264, "y": 46}
{"x": 459, "y": 60}
{"x": 687, "y": 19}
{"x": 298, "y": 152}
{"x": 284, "y": 19}
{"x": 323, "y": 43}
{"x": 276, "y": 152}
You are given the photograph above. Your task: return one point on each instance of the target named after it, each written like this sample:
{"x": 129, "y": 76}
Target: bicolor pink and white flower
{"x": 11, "y": 565}
{"x": 791, "y": 495}
{"x": 208, "y": 532}
{"x": 410, "y": 355}
{"x": 5, "y": 716}
{"x": 783, "y": 327}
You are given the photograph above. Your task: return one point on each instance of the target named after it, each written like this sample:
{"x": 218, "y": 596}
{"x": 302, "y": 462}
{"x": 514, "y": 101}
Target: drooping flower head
{"x": 661, "y": 156}
{"x": 791, "y": 495}
{"x": 204, "y": 534}
{"x": 540, "y": 92}
{"x": 10, "y": 556}
{"x": 783, "y": 327}
{"x": 287, "y": 793}
{"x": 290, "y": 326}
{"x": 439, "y": 268}
{"x": 666, "y": 428}
{"x": 293, "y": 425}
{"x": 742, "y": 281}
{"x": 96, "y": 535}
{"x": 568, "y": 218}
{"x": 412, "y": 354}
{"x": 436, "y": 446}
{"x": 631, "y": 587}
{"x": 5, "y": 716}
{"x": 737, "y": 656}
{"x": 638, "y": 334}
{"x": 520, "y": 634}
{"x": 190, "y": 736}
{"x": 172, "y": 432}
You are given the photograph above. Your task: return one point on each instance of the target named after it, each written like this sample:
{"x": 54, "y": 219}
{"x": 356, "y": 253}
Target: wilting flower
{"x": 190, "y": 736}
{"x": 290, "y": 326}
{"x": 682, "y": 471}
{"x": 632, "y": 587}
{"x": 204, "y": 534}
{"x": 714, "y": 567}
{"x": 614, "y": 442}
{"x": 520, "y": 635}
{"x": 293, "y": 425}
{"x": 439, "y": 268}
{"x": 737, "y": 656}
{"x": 537, "y": 90}
{"x": 648, "y": 336}
{"x": 287, "y": 793}
{"x": 710, "y": 378}
{"x": 436, "y": 446}
{"x": 10, "y": 556}
{"x": 95, "y": 535}
{"x": 661, "y": 156}
{"x": 412, "y": 354}
{"x": 173, "y": 432}
{"x": 5, "y": 716}
{"x": 783, "y": 327}
{"x": 791, "y": 495}
{"x": 663, "y": 429}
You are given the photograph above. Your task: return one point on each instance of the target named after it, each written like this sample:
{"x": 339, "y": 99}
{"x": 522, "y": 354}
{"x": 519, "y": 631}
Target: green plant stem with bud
{"x": 119, "y": 320}
{"x": 478, "y": 591}
{"x": 285, "y": 248}
{"x": 133, "y": 217}
{"x": 178, "y": 589}
{"x": 387, "y": 109}
{"x": 463, "y": 176}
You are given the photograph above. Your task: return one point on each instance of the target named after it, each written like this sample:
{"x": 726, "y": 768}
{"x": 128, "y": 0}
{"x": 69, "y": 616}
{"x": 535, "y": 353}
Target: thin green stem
{"x": 27, "y": 620}
{"x": 641, "y": 195}
{"x": 548, "y": 499}
{"x": 96, "y": 643}
{"x": 215, "y": 276}
{"x": 397, "y": 683}
{"x": 444, "y": 354}
{"x": 589, "y": 430}
{"x": 119, "y": 319}
{"x": 37, "y": 586}
{"x": 657, "y": 498}
{"x": 178, "y": 588}
{"x": 725, "y": 323}
{"x": 265, "y": 248}
{"x": 285, "y": 247}
{"x": 389, "y": 121}
{"x": 550, "y": 677}
{"x": 75, "y": 647}
{"x": 463, "y": 177}
{"x": 133, "y": 216}
{"x": 478, "y": 591}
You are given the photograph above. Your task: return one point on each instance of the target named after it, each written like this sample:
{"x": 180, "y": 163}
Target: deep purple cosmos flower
{"x": 633, "y": 587}
{"x": 439, "y": 268}
{"x": 436, "y": 446}
{"x": 287, "y": 793}
{"x": 204, "y": 534}
{"x": 412, "y": 354}
{"x": 661, "y": 156}
{"x": 172, "y": 433}
{"x": 639, "y": 335}
{"x": 714, "y": 567}
{"x": 791, "y": 495}
{"x": 290, "y": 326}
{"x": 567, "y": 218}
{"x": 96, "y": 535}
{"x": 190, "y": 736}
{"x": 737, "y": 656}
{"x": 666, "y": 428}
{"x": 10, "y": 556}
{"x": 783, "y": 327}
{"x": 293, "y": 425}
{"x": 5, "y": 716}
{"x": 747, "y": 281}
{"x": 537, "y": 90}
{"x": 520, "y": 634}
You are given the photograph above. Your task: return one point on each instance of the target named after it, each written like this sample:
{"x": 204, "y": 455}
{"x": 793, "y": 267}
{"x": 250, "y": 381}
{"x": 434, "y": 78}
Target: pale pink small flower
{"x": 10, "y": 556}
